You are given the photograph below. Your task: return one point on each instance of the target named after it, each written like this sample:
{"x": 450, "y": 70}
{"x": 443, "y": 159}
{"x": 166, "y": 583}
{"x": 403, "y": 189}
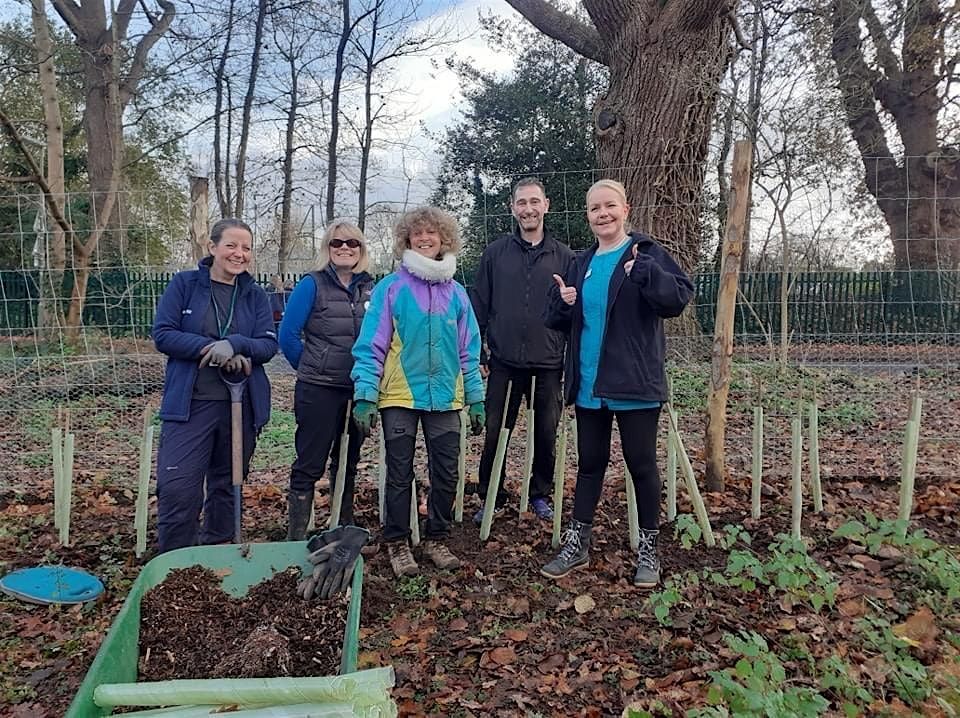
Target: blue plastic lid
{"x": 51, "y": 585}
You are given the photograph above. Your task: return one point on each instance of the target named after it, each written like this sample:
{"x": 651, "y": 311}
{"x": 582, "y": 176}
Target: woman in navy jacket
{"x": 612, "y": 304}
{"x": 211, "y": 317}
{"x": 318, "y": 330}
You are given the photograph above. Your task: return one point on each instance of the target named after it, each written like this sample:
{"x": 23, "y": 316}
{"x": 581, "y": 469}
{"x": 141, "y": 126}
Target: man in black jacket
{"x": 509, "y": 297}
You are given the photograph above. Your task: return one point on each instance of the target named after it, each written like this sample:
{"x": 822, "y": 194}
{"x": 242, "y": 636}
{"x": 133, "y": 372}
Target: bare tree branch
{"x": 69, "y": 11}
{"x": 562, "y": 26}
{"x": 143, "y": 49}
{"x": 885, "y": 55}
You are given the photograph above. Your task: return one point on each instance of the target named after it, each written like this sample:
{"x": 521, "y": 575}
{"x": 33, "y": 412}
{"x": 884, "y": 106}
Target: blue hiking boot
{"x": 541, "y": 507}
{"x": 497, "y": 510}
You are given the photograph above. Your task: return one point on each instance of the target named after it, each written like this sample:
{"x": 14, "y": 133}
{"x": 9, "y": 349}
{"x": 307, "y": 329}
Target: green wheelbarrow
{"x": 116, "y": 661}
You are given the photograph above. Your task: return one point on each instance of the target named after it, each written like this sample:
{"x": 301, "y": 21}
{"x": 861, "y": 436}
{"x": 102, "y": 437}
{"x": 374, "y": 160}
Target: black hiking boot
{"x": 574, "y": 551}
{"x": 648, "y": 564}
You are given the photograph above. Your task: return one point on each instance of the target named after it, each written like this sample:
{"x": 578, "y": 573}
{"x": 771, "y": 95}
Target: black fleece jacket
{"x": 509, "y": 297}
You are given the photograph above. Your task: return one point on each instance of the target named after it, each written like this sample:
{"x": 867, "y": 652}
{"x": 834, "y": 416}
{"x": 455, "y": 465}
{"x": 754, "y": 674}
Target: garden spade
{"x": 234, "y": 374}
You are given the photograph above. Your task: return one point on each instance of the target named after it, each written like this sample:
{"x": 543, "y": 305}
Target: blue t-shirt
{"x": 594, "y": 294}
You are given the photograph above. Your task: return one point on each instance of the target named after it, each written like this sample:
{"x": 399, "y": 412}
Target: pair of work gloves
{"x": 333, "y": 554}
{"x": 365, "y": 417}
{"x": 220, "y": 354}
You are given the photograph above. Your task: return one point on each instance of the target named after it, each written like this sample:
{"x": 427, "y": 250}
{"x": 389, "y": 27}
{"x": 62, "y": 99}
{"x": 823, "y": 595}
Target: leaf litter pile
{"x": 191, "y": 628}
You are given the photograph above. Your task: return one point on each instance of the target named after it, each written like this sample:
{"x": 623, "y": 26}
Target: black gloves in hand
{"x": 333, "y": 554}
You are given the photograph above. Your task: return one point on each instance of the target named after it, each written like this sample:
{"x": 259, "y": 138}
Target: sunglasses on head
{"x": 337, "y": 243}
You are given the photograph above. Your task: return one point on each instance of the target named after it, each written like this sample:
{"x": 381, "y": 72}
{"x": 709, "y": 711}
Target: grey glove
{"x": 333, "y": 554}
{"x": 216, "y": 353}
{"x": 238, "y": 363}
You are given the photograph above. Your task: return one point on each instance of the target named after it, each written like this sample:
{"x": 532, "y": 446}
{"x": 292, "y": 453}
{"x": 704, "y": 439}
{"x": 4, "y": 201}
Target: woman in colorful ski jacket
{"x": 417, "y": 360}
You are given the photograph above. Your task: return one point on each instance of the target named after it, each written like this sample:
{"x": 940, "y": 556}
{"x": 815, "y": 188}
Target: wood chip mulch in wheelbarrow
{"x": 191, "y": 628}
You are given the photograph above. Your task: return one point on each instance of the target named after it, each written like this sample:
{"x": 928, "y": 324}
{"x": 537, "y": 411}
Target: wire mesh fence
{"x": 859, "y": 343}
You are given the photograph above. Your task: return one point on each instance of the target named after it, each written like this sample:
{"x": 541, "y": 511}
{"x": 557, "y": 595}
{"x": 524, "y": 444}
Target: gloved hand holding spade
{"x": 333, "y": 554}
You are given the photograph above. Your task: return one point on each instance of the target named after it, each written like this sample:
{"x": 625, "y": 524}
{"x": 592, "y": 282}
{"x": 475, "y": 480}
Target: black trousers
{"x": 441, "y": 432}
{"x": 320, "y": 412}
{"x": 548, "y": 403}
{"x": 638, "y": 437}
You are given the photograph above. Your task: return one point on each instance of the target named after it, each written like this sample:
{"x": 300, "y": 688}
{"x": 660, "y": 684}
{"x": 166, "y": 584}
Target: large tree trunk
{"x": 661, "y": 102}
{"x": 652, "y": 125}
{"x": 918, "y": 194}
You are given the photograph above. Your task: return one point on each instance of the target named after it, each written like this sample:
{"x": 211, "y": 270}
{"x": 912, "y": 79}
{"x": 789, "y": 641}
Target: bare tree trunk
{"x": 346, "y": 29}
{"x": 54, "y": 255}
{"x": 199, "y": 216}
{"x": 221, "y": 178}
{"x": 726, "y": 313}
{"x": 367, "y": 140}
{"x": 286, "y": 206}
{"x": 248, "y": 108}
{"x": 106, "y": 91}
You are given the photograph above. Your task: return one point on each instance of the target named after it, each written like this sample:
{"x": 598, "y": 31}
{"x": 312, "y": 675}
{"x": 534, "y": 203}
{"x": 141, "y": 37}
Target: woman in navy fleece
{"x": 211, "y": 317}
{"x": 612, "y": 303}
{"x": 319, "y": 327}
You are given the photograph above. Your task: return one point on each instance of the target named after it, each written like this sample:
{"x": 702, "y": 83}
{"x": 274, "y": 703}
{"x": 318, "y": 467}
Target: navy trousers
{"x": 194, "y": 475}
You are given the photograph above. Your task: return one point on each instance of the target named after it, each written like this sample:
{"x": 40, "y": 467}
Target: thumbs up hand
{"x": 628, "y": 266}
{"x": 567, "y": 294}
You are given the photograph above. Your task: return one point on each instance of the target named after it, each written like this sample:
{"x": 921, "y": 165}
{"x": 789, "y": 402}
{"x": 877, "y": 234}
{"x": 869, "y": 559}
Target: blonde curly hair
{"x": 432, "y": 218}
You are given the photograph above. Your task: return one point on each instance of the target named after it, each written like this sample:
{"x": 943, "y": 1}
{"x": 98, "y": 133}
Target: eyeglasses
{"x": 337, "y": 243}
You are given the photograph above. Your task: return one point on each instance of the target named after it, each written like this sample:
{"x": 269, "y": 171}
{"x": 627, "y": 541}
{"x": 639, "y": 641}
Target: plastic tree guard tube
{"x": 363, "y": 687}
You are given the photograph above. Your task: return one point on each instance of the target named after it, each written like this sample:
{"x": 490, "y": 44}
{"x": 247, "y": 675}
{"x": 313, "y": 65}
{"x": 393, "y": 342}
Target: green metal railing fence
{"x": 822, "y": 306}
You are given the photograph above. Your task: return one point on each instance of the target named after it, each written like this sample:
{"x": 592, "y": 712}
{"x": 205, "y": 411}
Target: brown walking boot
{"x": 440, "y": 555}
{"x": 401, "y": 559}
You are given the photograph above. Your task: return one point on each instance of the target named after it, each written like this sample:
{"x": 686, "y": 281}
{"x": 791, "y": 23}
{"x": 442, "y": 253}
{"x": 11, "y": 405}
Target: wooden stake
{"x": 671, "y": 466}
{"x": 633, "y": 521}
{"x": 576, "y": 441}
{"x": 559, "y": 468}
{"x": 908, "y": 470}
{"x": 814, "y": 427}
{"x": 756, "y": 473}
{"x": 797, "y": 481}
{"x": 68, "y": 444}
{"x": 382, "y": 479}
{"x": 414, "y": 515}
{"x": 337, "y": 503}
{"x": 143, "y": 483}
{"x": 690, "y": 480}
{"x": 56, "y": 457}
{"x": 722, "y": 354}
{"x": 528, "y": 462}
{"x": 493, "y": 487}
{"x": 461, "y": 469}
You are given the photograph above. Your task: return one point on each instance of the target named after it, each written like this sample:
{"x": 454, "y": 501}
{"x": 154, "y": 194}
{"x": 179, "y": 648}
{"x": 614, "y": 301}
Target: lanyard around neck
{"x": 224, "y": 327}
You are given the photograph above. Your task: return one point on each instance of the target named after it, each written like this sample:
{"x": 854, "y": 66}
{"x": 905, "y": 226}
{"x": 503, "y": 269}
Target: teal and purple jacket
{"x": 419, "y": 344}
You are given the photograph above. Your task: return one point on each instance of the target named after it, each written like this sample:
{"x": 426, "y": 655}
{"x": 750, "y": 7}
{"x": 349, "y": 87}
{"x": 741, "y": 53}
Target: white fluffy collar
{"x": 430, "y": 270}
